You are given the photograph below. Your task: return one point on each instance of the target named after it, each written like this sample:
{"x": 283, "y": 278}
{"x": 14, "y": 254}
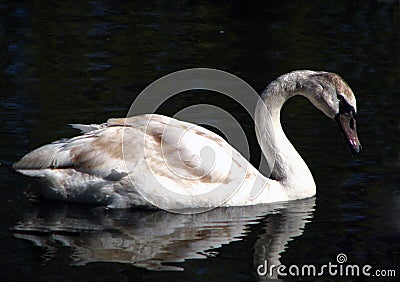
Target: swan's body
{"x": 154, "y": 160}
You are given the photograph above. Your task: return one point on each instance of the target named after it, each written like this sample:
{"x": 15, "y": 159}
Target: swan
{"x": 153, "y": 160}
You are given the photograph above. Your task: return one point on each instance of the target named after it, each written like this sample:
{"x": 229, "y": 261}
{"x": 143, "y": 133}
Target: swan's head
{"x": 332, "y": 95}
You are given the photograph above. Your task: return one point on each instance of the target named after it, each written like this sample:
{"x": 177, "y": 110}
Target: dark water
{"x": 67, "y": 62}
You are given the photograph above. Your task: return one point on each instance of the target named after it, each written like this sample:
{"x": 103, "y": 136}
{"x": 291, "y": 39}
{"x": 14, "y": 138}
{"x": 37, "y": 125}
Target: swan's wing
{"x": 168, "y": 146}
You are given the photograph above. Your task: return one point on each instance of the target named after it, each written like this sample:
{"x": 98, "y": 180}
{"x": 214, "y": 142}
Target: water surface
{"x": 65, "y": 62}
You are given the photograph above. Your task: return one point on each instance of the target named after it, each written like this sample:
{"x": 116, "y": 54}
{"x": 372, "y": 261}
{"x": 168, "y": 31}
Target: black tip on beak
{"x": 357, "y": 149}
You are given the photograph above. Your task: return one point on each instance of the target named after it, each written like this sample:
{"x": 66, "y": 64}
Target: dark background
{"x": 67, "y": 62}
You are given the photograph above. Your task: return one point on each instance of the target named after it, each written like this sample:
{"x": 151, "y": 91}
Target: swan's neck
{"x": 289, "y": 169}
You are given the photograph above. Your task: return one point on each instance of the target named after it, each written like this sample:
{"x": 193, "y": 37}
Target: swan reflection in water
{"x": 151, "y": 238}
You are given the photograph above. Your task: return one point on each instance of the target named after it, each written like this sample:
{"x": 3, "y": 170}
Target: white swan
{"x": 154, "y": 160}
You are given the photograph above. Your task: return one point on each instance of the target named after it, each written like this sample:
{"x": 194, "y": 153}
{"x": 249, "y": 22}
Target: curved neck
{"x": 289, "y": 169}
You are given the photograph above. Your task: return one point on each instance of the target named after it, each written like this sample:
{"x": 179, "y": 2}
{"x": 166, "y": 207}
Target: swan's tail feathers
{"x": 57, "y": 154}
{"x": 99, "y": 152}
{"x": 48, "y": 156}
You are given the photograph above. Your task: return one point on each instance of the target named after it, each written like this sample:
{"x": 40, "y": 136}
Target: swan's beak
{"x": 347, "y": 123}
